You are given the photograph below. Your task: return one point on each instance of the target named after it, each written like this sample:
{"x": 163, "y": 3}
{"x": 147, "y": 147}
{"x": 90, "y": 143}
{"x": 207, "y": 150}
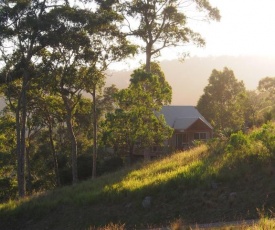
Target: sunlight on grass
{"x": 9, "y": 205}
{"x": 160, "y": 172}
{"x": 199, "y": 180}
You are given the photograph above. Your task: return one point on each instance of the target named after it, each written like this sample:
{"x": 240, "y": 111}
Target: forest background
{"x": 44, "y": 76}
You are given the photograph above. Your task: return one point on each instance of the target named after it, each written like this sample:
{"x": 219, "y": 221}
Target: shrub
{"x": 216, "y": 145}
{"x": 8, "y": 189}
{"x": 238, "y": 141}
{"x": 266, "y": 134}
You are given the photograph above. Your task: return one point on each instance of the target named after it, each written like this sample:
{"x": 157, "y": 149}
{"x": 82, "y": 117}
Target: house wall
{"x": 198, "y": 131}
{"x": 171, "y": 145}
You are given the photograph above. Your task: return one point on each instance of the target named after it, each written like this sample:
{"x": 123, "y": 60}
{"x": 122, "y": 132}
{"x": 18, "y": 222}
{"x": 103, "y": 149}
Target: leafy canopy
{"x": 222, "y": 101}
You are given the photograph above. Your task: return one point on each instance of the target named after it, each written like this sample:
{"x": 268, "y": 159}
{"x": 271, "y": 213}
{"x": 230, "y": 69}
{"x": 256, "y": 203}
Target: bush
{"x": 217, "y": 145}
{"x": 8, "y": 189}
{"x": 266, "y": 134}
{"x": 238, "y": 141}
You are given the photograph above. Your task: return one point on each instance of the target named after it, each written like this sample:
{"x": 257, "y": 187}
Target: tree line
{"x": 229, "y": 107}
{"x": 55, "y": 52}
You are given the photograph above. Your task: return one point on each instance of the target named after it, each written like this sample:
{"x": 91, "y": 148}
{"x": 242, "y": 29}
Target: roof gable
{"x": 199, "y": 126}
{"x": 182, "y": 117}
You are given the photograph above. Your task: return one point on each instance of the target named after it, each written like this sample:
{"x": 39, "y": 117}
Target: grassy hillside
{"x": 224, "y": 181}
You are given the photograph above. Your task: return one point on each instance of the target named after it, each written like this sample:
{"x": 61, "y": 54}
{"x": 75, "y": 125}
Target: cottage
{"x": 188, "y": 124}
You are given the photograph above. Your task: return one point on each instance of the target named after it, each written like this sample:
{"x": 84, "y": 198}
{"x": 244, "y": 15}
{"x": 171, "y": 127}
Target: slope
{"x": 228, "y": 180}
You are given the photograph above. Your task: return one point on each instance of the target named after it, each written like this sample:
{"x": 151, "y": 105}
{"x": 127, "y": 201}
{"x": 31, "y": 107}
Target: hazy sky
{"x": 247, "y": 27}
{"x": 246, "y": 31}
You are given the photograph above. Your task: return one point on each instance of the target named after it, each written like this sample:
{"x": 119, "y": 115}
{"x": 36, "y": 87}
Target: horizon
{"x": 192, "y": 74}
{"x": 186, "y": 88}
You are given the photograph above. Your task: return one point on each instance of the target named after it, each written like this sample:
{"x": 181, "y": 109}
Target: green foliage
{"x": 217, "y": 145}
{"x": 266, "y": 134}
{"x": 161, "y": 24}
{"x": 238, "y": 141}
{"x": 266, "y": 88}
{"x": 8, "y": 188}
{"x": 136, "y": 123}
{"x": 223, "y": 101}
{"x": 212, "y": 186}
{"x": 8, "y": 185}
{"x": 258, "y": 109}
{"x": 54, "y": 52}
{"x": 267, "y": 84}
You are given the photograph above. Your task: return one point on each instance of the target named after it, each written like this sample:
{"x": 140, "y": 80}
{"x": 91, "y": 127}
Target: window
{"x": 200, "y": 136}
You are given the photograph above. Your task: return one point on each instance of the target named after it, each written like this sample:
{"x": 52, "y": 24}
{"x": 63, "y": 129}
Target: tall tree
{"x": 114, "y": 47}
{"x": 222, "y": 101}
{"x": 164, "y": 23}
{"x": 136, "y": 122}
{"x": 47, "y": 111}
{"x": 267, "y": 86}
{"x": 77, "y": 60}
{"x": 22, "y": 36}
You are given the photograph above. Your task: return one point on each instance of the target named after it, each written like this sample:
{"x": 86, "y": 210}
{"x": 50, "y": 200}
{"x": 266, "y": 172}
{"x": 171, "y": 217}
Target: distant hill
{"x": 189, "y": 78}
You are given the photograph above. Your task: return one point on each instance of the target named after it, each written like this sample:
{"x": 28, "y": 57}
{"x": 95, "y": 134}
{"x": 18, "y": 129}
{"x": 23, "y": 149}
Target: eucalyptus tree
{"x": 81, "y": 44}
{"x": 108, "y": 45}
{"x": 136, "y": 122}
{"x": 47, "y": 112}
{"x": 165, "y": 23}
{"x": 43, "y": 112}
{"x": 23, "y": 35}
{"x": 223, "y": 100}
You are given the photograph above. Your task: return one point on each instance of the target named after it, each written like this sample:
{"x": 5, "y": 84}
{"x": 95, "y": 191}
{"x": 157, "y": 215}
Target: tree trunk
{"x": 73, "y": 148}
{"x": 28, "y": 168}
{"x": 131, "y": 154}
{"x": 148, "y": 58}
{"x": 20, "y": 156}
{"x": 72, "y": 138}
{"x": 94, "y": 133}
{"x": 55, "y": 162}
{"x": 20, "y": 135}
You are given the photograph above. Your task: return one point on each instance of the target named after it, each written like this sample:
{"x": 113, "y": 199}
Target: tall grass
{"x": 224, "y": 180}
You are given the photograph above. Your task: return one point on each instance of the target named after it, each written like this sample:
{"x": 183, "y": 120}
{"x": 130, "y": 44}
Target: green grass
{"x": 203, "y": 185}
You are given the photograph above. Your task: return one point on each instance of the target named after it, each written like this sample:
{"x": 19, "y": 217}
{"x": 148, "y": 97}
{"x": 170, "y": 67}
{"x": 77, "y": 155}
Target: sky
{"x": 246, "y": 28}
{"x": 243, "y": 40}
{"x": 245, "y": 34}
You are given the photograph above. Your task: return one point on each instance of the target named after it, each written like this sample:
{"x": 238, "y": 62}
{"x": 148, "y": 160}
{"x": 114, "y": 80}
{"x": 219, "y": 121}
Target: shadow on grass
{"x": 209, "y": 188}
